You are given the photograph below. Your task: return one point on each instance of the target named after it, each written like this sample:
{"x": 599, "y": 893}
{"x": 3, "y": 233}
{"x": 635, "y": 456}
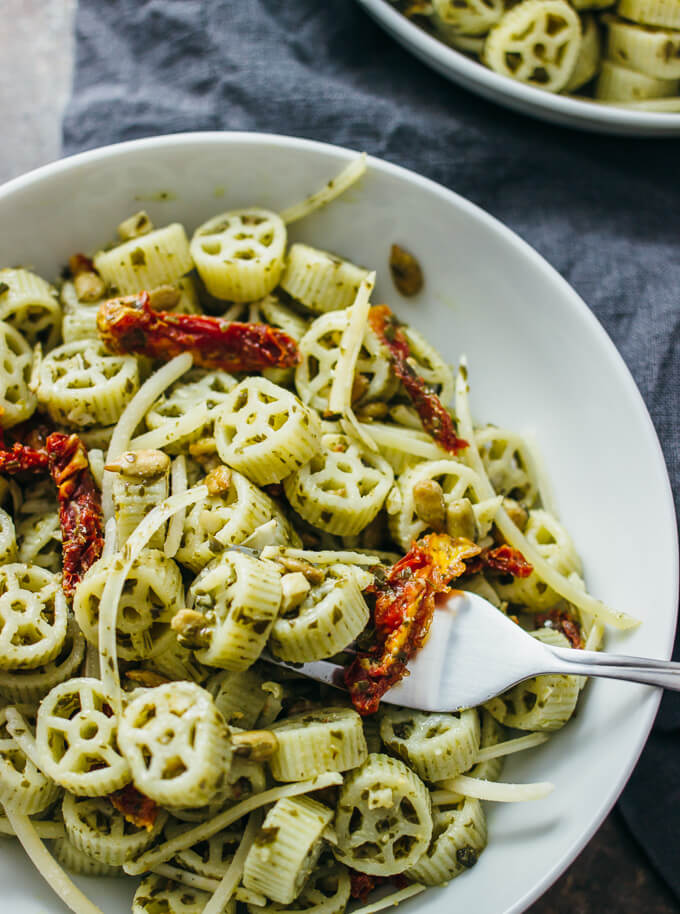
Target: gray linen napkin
{"x": 604, "y": 211}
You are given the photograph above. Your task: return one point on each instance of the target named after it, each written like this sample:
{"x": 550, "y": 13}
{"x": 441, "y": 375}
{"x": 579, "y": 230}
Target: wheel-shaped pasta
{"x": 82, "y": 384}
{"x": 73, "y": 859}
{"x": 141, "y": 482}
{"x": 436, "y": 746}
{"x": 33, "y": 615}
{"x": 208, "y": 858}
{"x": 286, "y": 848}
{"x": 30, "y": 305}
{"x": 8, "y": 540}
{"x": 326, "y": 891}
{"x": 541, "y": 703}
{"x": 283, "y": 318}
{"x": 39, "y": 537}
{"x": 664, "y": 13}
{"x": 23, "y": 788}
{"x": 458, "y": 838}
{"x": 653, "y": 51}
{"x": 177, "y": 744}
{"x": 176, "y": 662}
{"x": 536, "y": 42}
{"x": 588, "y": 60}
{"x": 265, "y": 432}
{"x": 384, "y": 818}
{"x": 222, "y": 520}
{"x": 17, "y": 402}
{"x": 319, "y": 280}
{"x": 29, "y": 686}
{"x": 408, "y": 518}
{"x": 195, "y": 389}
{"x": 329, "y": 618}
{"x": 312, "y": 742}
{"x": 160, "y": 895}
{"x": 238, "y": 597}
{"x": 430, "y": 365}
{"x": 239, "y": 696}
{"x": 508, "y": 463}
{"x": 77, "y": 739}
{"x": 240, "y": 254}
{"x": 616, "y": 83}
{"x": 548, "y": 536}
{"x": 342, "y": 489}
{"x": 99, "y": 830}
{"x": 152, "y": 592}
{"x": 319, "y": 353}
{"x": 161, "y": 256}
{"x": 80, "y": 317}
{"x": 465, "y": 17}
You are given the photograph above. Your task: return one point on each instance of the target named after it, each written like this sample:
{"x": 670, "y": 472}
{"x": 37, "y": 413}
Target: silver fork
{"x": 474, "y": 653}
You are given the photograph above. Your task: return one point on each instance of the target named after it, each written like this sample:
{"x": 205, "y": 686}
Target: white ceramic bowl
{"x": 547, "y": 106}
{"x": 538, "y": 359}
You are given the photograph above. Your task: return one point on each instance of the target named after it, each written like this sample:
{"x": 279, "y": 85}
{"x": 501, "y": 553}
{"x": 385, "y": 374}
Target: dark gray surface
{"x": 604, "y": 211}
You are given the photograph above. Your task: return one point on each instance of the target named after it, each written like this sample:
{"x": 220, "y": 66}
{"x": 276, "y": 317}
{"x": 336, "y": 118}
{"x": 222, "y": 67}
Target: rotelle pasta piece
{"x": 536, "y": 42}
{"x": 436, "y": 420}
{"x": 459, "y": 838}
{"x": 176, "y": 742}
{"x": 17, "y": 401}
{"x": 622, "y": 84}
{"x": 588, "y": 60}
{"x": 240, "y": 254}
{"x": 33, "y": 616}
{"x": 31, "y": 305}
{"x": 436, "y": 746}
{"x": 98, "y": 829}
{"x": 286, "y": 848}
{"x": 404, "y": 607}
{"x": 313, "y": 742}
{"x": 131, "y": 325}
{"x": 651, "y": 50}
{"x": 319, "y": 280}
{"x": 468, "y": 17}
{"x": 665, "y": 13}
{"x": 384, "y": 817}
{"x": 161, "y": 256}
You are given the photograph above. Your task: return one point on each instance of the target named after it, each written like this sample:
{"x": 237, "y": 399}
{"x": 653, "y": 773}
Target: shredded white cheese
{"x": 495, "y": 791}
{"x": 133, "y": 414}
{"x": 510, "y": 746}
{"x": 324, "y": 557}
{"x": 178, "y": 483}
{"x": 108, "y": 609}
{"x": 330, "y": 191}
{"x": 231, "y": 878}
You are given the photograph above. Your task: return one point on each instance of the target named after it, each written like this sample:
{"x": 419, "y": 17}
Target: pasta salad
{"x": 217, "y": 451}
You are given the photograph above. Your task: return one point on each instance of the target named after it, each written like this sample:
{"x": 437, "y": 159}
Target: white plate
{"x": 538, "y": 359}
{"x": 515, "y": 95}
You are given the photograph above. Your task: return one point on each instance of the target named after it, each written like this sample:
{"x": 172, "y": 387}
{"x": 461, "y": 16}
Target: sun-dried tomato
{"x": 436, "y": 420}
{"x": 21, "y": 459}
{"x": 506, "y": 560}
{"x": 130, "y": 324}
{"x": 80, "y": 511}
{"x": 402, "y": 615}
{"x": 361, "y": 884}
{"x": 563, "y": 621}
{"x": 136, "y": 808}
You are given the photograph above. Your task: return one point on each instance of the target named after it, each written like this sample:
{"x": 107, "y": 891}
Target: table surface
{"x": 36, "y": 57}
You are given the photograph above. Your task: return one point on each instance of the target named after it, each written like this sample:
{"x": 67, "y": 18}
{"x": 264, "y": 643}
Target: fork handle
{"x": 662, "y": 673}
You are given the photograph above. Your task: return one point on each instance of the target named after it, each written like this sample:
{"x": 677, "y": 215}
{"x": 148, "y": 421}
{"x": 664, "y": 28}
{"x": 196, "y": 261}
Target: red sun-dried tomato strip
{"x": 80, "y": 511}
{"x": 361, "y": 884}
{"x": 563, "y": 621}
{"x": 506, "y": 560}
{"x": 404, "y": 607}
{"x": 130, "y": 324}
{"x": 20, "y": 458}
{"x": 436, "y": 420}
{"x": 136, "y": 808}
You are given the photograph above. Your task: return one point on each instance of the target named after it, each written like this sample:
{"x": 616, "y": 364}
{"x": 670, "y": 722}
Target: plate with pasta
{"x": 262, "y": 398}
{"x": 600, "y": 65}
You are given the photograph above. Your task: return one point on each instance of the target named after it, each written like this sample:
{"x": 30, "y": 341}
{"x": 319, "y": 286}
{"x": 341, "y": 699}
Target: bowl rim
{"x": 521, "y": 97}
{"x": 572, "y": 300}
